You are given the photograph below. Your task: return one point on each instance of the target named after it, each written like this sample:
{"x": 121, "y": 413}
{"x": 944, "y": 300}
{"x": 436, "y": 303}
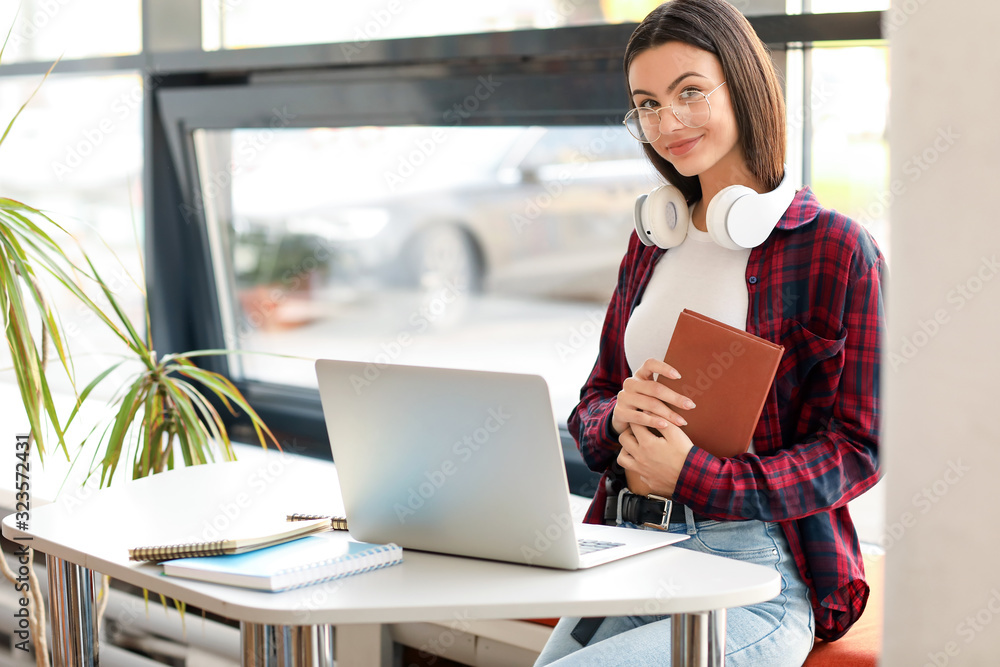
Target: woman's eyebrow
{"x": 671, "y": 87}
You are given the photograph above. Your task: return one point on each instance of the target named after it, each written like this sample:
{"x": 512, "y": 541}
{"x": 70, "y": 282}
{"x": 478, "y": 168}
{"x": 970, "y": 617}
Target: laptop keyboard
{"x": 590, "y": 546}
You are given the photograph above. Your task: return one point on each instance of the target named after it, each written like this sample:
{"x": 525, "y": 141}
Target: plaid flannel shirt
{"x": 815, "y": 287}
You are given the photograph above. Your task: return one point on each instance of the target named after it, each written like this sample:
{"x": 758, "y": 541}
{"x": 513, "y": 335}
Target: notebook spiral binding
{"x": 337, "y": 522}
{"x": 219, "y": 547}
{"x": 299, "y": 577}
{"x": 169, "y": 552}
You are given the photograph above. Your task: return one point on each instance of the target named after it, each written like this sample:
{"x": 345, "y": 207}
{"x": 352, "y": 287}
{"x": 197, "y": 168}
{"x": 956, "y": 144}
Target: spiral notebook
{"x": 264, "y": 534}
{"x": 310, "y": 560}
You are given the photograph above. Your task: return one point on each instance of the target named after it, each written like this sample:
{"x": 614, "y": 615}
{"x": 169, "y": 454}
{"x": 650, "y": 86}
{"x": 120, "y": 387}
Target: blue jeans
{"x": 774, "y": 633}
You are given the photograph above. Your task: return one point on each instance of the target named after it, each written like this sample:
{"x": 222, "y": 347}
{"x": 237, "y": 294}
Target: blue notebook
{"x": 303, "y": 562}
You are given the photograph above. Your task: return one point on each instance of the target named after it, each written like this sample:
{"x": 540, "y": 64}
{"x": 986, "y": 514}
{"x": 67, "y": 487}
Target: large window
{"x": 235, "y": 25}
{"x": 84, "y": 170}
{"x": 251, "y": 23}
{"x": 231, "y": 25}
{"x": 69, "y": 29}
{"x": 339, "y": 203}
{"x": 849, "y": 157}
{"x": 830, "y": 6}
{"x": 480, "y": 247}
{"x": 372, "y": 197}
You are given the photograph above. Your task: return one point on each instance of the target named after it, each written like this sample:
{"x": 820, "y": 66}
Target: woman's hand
{"x": 655, "y": 455}
{"x": 645, "y": 401}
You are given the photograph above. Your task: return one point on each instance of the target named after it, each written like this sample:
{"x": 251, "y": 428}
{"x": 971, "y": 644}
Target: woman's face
{"x": 656, "y": 77}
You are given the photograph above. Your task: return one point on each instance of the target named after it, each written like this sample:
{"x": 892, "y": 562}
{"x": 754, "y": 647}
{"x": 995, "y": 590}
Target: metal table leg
{"x": 286, "y": 645}
{"x": 698, "y": 639}
{"x": 71, "y": 609}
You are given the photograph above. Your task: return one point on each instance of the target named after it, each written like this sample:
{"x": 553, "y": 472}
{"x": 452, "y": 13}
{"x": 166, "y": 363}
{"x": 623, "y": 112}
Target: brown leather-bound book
{"x": 727, "y": 372}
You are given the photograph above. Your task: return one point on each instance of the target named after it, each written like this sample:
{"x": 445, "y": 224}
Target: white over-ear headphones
{"x": 737, "y": 217}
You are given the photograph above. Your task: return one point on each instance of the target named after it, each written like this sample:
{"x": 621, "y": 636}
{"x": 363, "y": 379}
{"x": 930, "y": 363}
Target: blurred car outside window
{"x": 492, "y": 248}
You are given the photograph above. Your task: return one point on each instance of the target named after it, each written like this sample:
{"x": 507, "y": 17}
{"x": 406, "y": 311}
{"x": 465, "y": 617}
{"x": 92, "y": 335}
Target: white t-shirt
{"x": 699, "y": 275}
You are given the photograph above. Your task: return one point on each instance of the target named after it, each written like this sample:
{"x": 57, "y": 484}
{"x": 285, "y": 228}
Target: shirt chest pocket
{"x": 811, "y": 365}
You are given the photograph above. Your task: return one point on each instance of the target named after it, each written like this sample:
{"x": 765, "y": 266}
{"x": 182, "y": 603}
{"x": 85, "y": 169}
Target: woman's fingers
{"x": 643, "y": 400}
{"x": 653, "y": 397}
{"x": 629, "y": 444}
{"x": 643, "y": 382}
{"x": 655, "y": 390}
{"x": 653, "y": 367}
{"x": 648, "y": 410}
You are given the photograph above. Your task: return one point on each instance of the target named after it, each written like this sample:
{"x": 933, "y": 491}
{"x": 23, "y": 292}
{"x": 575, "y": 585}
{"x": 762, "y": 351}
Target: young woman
{"x": 707, "y": 105}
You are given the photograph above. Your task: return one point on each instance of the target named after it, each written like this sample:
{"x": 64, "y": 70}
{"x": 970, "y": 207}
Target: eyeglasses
{"x": 691, "y": 108}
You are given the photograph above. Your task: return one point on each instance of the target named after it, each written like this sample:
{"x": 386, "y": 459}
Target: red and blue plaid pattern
{"x": 815, "y": 287}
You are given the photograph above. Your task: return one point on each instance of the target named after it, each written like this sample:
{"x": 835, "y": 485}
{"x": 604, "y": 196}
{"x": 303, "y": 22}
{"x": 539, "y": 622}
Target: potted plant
{"x": 163, "y": 413}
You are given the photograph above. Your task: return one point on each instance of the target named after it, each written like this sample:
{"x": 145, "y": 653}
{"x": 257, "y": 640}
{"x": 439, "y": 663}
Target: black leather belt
{"x": 652, "y": 511}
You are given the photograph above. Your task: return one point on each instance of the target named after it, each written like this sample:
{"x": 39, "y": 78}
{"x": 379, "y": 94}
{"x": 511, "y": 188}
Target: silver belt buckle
{"x": 664, "y": 520}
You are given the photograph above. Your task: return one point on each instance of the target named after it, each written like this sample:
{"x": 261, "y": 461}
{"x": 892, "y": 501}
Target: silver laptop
{"x": 460, "y": 462}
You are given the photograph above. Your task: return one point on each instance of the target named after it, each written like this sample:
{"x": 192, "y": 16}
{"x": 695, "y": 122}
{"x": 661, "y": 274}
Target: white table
{"x": 93, "y": 533}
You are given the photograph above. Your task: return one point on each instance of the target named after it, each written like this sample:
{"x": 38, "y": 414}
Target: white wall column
{"x": 941, "y": 373}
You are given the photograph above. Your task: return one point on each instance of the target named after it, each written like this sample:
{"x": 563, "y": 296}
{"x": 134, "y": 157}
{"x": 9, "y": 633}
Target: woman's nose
{"x": 669, "y": 121}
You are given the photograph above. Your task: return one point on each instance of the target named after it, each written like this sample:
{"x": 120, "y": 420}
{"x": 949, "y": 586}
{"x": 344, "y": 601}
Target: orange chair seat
{"x": 862, "y": 644}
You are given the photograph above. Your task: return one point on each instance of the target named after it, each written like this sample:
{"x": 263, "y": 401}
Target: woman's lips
{"x": 682, "y": 147}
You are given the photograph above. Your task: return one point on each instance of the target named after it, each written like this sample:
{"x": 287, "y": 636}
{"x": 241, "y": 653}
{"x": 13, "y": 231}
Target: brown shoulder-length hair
{"x": 719, "y": 28}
